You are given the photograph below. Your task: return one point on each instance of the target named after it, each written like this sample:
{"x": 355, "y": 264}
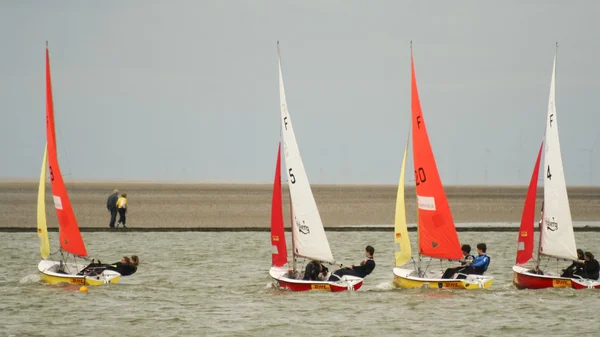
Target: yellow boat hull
{"x": 78, "y": 280}
{"x": 404, "y": 280}
{"x": 49, "y": 274}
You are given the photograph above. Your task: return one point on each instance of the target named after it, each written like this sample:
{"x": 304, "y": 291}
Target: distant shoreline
{"x": 169, "y": 206}
{"x": 492, "y": 228}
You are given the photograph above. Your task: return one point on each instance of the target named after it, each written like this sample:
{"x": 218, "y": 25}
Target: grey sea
{"x": 217, "y": 284}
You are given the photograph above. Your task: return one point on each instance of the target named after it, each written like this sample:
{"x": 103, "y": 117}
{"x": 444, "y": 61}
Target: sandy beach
{"x": 247, "y": 205}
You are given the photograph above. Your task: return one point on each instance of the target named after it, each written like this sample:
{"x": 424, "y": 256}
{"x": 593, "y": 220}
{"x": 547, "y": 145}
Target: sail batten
{"x": 70, "y": 237}
{"x": 437, "y": 233}
{"x": 557, "y": 238}
{"x": 308, "y": 233}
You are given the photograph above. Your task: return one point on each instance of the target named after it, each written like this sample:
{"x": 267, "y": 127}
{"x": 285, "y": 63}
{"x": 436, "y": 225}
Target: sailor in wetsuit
{"x": 479, "y": 265}
{"x": 576, "y": 268}
{"x": 125, "y": 267}
{"x": 365, "y": 268}
{"x": 464, "y": 262}
{"x": 315, "y": 271}
{"x": 591, "y": 267}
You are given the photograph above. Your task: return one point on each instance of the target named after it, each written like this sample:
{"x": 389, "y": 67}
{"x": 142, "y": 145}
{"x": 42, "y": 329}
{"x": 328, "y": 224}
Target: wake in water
{"x": 32, "y": 278}
{"x": 385, "y": 286}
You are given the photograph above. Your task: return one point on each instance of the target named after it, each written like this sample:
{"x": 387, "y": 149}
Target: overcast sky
{"x": 188, "y": 90}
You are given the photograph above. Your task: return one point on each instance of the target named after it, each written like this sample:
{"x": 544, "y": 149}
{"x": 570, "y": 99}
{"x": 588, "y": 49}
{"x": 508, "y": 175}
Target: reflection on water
{"x": 217, "y": 284}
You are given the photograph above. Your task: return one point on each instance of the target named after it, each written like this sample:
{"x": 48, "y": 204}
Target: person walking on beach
{"x": 111, "y": 205}
{"x": 122, "y": 207}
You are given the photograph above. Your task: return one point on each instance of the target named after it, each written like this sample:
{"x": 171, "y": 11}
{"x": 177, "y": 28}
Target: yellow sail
{"x": 403, "y": 254}
{"x": 41, "y": 210}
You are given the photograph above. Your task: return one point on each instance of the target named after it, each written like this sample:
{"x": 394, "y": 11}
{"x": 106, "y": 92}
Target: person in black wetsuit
{"x": 591, "y": 267}
{"x": 314, "y": 270}
{"x": 464, "y": 262}
{"x": 365, "y": 268}
{"x": 576, "y": 268}
{"x": 125, "y": 267}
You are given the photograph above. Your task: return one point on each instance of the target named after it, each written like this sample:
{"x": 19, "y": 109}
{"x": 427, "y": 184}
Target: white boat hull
{"x": 281, "y": 280}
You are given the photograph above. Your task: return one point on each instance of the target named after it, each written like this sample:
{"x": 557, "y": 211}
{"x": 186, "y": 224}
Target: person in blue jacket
{"x": 480, "y": 264}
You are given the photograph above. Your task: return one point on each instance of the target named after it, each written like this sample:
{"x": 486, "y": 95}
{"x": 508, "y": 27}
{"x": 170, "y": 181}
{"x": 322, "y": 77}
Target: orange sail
{"x": 526, "y": 231}
{"x": 279, "y": 253}
{"x": 437, "y": 234}
{"x": 70, "y": 237}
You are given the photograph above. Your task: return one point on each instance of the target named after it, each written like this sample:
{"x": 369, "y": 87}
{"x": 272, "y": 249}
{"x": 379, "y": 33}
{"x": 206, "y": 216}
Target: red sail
{"x": 70, "y": 238}
{"x": 526, "y": 232}
{"x": 279, "y": 248}
{"x": 437, "y": 234}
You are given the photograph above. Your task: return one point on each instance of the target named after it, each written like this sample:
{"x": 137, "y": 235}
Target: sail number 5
{"x": 420, "y": 176}
{"x": 292, "y": 177}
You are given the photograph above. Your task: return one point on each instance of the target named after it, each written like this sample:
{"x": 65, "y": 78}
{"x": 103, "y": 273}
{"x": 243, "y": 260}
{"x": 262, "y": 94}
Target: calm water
{"x": 216, "y": 284}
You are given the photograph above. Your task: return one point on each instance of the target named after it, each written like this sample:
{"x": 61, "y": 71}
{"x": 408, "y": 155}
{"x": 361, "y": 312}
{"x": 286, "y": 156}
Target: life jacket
{"x": 486, "y": 265}
{"x": 469, "y": 257}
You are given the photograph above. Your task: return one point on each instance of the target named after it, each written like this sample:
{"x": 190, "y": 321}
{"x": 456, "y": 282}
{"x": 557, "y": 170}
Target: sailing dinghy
{"x": 557, "y": 241}
{"x": 436, "y": 232}
{"x": 308, "y": 235}
{"x": 71, "y": 259}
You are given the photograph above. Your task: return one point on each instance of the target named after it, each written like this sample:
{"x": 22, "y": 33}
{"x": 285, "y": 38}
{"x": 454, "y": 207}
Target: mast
{"x": 289, "y": 190}
{"x": 293, "y": 239}
{"x": 539, "y": 250}
{"x": 541, "y": 223}
{"x": 416, "y": 197}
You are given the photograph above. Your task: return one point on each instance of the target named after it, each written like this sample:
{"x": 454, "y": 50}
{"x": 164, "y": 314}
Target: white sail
{"x": 557, "y": 237}
{"x": 308, "y": 233}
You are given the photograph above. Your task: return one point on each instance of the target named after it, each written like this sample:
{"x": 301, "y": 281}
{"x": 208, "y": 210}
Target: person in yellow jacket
{"x": 122, "y": 208}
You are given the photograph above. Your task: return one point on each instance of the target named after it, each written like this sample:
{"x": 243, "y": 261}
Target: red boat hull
{"x": 324, "y": 286}
{"x": 525, "y": 280}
